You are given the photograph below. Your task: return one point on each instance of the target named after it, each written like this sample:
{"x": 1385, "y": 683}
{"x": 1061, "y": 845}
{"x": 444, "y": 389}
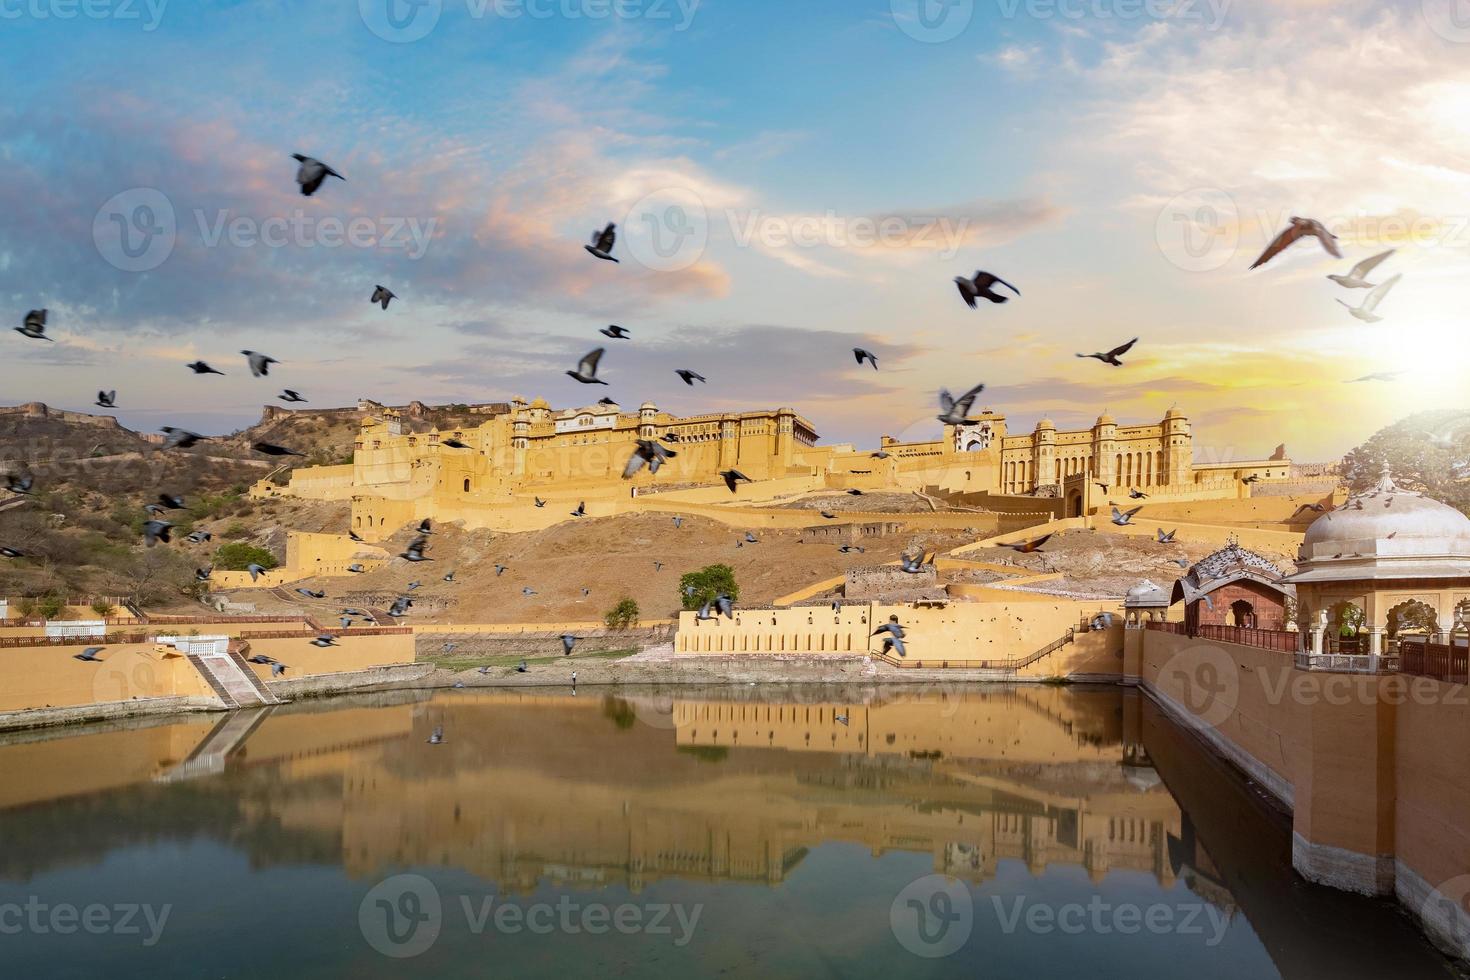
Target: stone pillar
{"x": 729, "y": 446}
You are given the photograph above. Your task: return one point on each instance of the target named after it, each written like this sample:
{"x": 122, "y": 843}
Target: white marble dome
{"x": 1383, "y": 532}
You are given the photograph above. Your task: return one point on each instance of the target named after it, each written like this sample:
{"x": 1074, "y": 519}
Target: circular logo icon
{"x": 402, "y": 916}
{"x": 933, "y": 21}
{"x": 135, "y": 231}
{"x": 1447, "y": 910}
{"x": 1450, "y": 19}
{"x": 933, "y": 916}
{"x": 401, "y": 21}
{"x": 668, "y": 230}
{"x": 123, "y": 677}
{"x": 1199, "y": 230}
{"x": 1204, "y": 680}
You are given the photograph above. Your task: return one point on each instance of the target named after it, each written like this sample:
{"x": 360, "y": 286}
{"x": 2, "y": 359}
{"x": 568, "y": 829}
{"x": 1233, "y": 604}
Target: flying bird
{"x": 11, "y": 553}
{"x": 1111, "y": 357}
{"x": 310, "y": 594}
{"x": 581, "y": 510}
{"x": 382, "y": 295}
{"x": 955, "y": 411}
{"x": 453, "y": 444}
{"x": 426, "y": 526}
{"x": 895, "y": 637}
{"x": 1166, "y": 538}
{"x": 647, "y": 453}
{"x": 19, "y": 483}
{"x": 256, "y": 571}
{"x": 1136, "y": 494}
{"x": 156, "y": 531}
{"x": 1358, "y": 277}
{"x": 1298, "y": 229}
{"x": 1367, "y": 311}
{"x": 312, "y": 173}
{"x": 568, "y": 641}
{"x": 608, "y": 402}
{"x": 203, "y": 574}
{"x": 200, "y": 367}
{"x": 171, "y": 502}
{"x": 107, "y": 399}
{"x": 527, "y": 591}
{"x": 1315, "y": 508}
{"x": 914, "y": 565}
{"x": 290, "y": 396}
{"x": 1027, "y": 547}
{"x": 260, "y": 364}
{"x": 678, "y": 523}
{"x": 89, "y": 655}
{"x": 1124, "y": 518}
{"x": 603, "y": 242}
{"x": 325, "y": 640}
{"x": 750, "y": 538}
{"x": 586, "y": 371}
{"x": 436, "y": 737}
{"x": 732, "y": 477}
{"x": 691, "y": 376}
{"x": 982, "y": 286}
{"x": 34, "y": 326}
{"x": 865, "y": 355}
{"x": 273, "y": 450}
{"x": 1381, "y": 376}
{"x": 278, "y": 668}
{"x": 415, "y": 550}
{"x": 501, "y": 570}
{"x": 400, "y": 607}
{"x": 615, "y": 333}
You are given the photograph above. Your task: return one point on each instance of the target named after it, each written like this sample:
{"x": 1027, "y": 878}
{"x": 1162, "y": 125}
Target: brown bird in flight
{"x": 1027, "y": 547}
{"x": 1298, "y": 229}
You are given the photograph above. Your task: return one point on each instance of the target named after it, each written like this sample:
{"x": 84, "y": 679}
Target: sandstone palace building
{"x": 489, "y": 471}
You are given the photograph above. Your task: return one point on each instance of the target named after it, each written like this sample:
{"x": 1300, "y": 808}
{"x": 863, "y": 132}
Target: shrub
{"x": 697, "y": 588}
{"x": 51, "y": 606}
{"x": 103, "y": 608}
{"x": 238, "y": 556}
{"x": 623, "y": 616}
{"x": 235, "y": 532}
{"x": 28, "y": 607}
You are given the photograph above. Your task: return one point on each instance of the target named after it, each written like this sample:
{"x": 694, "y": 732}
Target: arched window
{"x": 467, "y": 485}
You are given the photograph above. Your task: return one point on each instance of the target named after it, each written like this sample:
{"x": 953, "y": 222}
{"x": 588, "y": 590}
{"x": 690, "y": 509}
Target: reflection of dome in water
{"x": 1386, "y": 532}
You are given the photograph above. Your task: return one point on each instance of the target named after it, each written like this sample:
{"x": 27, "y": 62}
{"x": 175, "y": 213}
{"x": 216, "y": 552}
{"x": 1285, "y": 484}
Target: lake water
{"x": 1029, "y": 832}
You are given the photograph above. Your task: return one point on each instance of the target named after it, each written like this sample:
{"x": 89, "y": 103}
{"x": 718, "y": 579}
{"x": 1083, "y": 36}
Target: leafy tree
{"x": 103, "y": 608}
{"x": 1428, "y": 452}
{"x": 28, "y": 607}
{"x": 623, "y": 616}
{"x": 51, "y": 606}
{"x": 697, "y": 588}
{"x": 238, "y": 556}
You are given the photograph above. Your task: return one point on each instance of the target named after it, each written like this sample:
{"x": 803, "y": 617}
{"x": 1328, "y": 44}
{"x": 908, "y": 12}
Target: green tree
{"x": 51, "y": 606}
{"x": 623, "y": 616}
{"x": 697, "y": 588}
{"x": 1427, "y": 451}
{"x": 238, "y": 556}
{"x": 103, "y": 608}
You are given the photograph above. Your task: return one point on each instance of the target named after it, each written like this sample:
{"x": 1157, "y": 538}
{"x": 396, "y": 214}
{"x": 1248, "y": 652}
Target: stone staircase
{"x": 213, "y": 752}
{"x": 231, "y": 677}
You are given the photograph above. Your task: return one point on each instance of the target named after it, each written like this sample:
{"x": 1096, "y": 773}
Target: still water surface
{"x": 1033, "y": 832}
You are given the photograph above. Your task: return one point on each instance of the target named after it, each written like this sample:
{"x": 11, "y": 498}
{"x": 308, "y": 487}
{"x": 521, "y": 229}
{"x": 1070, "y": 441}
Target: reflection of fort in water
{"x": 596, "y": 792}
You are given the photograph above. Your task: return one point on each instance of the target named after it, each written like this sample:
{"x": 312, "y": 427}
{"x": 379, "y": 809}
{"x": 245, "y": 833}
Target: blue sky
{"x": 1068, "y": 149}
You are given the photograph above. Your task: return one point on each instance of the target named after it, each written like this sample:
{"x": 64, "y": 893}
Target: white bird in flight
{"x": 1358, "y": 277}
{"x": 1370, "y": 304}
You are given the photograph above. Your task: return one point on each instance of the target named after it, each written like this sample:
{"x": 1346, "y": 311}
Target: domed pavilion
{"x": 1388, "y": 564}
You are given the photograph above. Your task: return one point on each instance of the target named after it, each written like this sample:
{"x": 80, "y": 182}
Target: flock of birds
{"x": 651, "y": 454}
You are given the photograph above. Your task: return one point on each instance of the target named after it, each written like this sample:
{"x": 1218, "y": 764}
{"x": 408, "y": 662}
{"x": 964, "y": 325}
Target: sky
{"x": 791, "y": 180}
